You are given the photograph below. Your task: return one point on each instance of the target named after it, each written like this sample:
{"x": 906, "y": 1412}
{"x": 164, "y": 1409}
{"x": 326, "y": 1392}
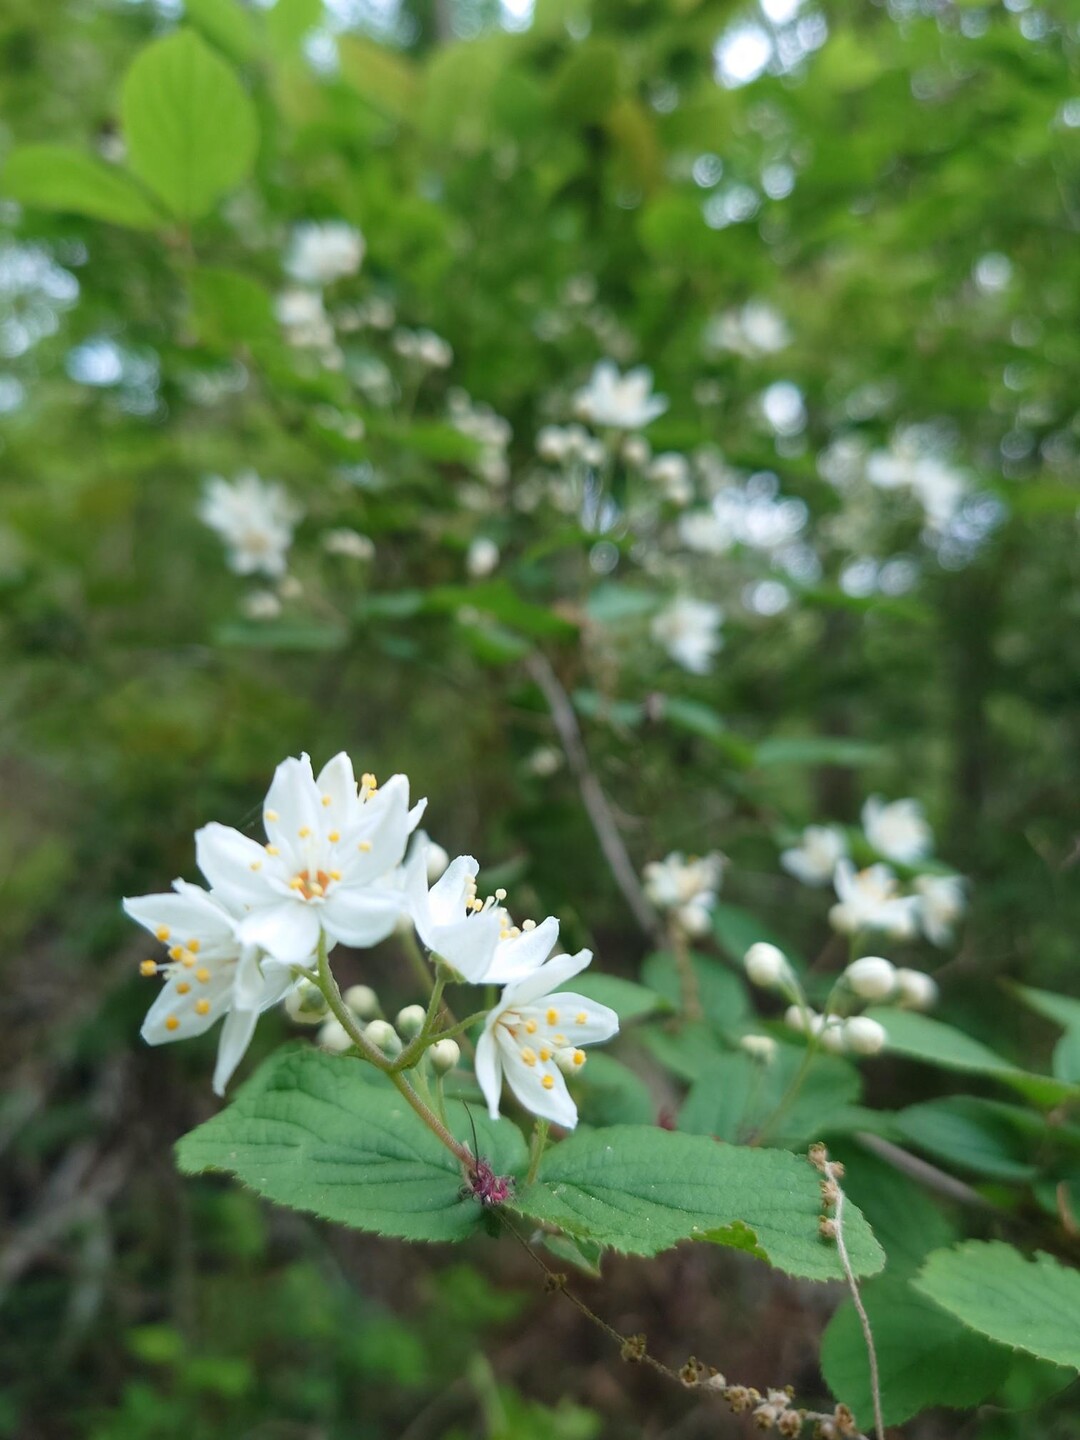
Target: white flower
{"x": 705, "y": 532}
{"x": 636, "y": 451}
{"x": 619, "y": 402}
{"x": 910, "y": 464}
{"x": 759, "y": 1047}
{"x": 767, "y": 965}
{"x": 915, "y": 990}
{"x": 685, "y": 887}
{"x": 871, "y": 978}
{"x": 941, "y": 905}
{"x": 689, "y": 631}
{"x": 328, "y": 865}
{"x": 260, "y": 605}
{"x": 482, "y": 557}
{"x": 898, "y": 831}
{"x": 210, "y": 973}
{"x": 303, "y": 317}
{"x": 670, "y": 472}
{"x": 254, "y": 518}
{"x": 349, "y": 543}
{"x": 813, "y": 860}
{"x": 863, "y": 1036}
{"x": 474, "y": 937}
{"x": 532, "y": 1033}
{"x": 757, "y": 329}
{"x": 554, "y": 444}
{"x": 319, "y": 254}
{"x": 869, "y": 901}
{"x": 436, "y": 859}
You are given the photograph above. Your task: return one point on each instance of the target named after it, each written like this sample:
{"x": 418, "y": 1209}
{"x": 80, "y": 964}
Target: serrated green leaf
{"x": 640, "y": 1190}
{"x": 1030, "y": 1305}
{"x": 326, "y": 1134}
{"x": 925, "y": 1357}
{"x": 189, "y": 124}
{"x": 734, "y": 1097}
{"x": 58, "y": 177}
{"x": 629, "y": 1000}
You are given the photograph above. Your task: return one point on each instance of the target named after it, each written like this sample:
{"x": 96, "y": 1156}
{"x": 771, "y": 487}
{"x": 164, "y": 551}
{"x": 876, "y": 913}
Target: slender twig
{"x": 592, "y": 796}
{"x": 922, "y": 1171}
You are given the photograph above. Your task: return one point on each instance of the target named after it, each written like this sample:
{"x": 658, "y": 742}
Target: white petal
{"x": 170, "y": 1004}
{"x": 527, "y": 1083}
{"x": 226, "y": 858}
{"x": 488, "y": 1067}
{"x": 446, "y": 898}
{"x": 288, "y": 930}
{"x": 468, "y": 946}
{"x": 383, "y": 830}
{"x": 191, "y": 915}
{"x": 293, "y": 802}
{"x": 236, "y": 1036}
{"x": 337, "y": 780}
{"x": 543, "y": 981}
{"x": 361, "y": 917}
{"x": 515, "y": 959}
{"x": 600, "y": 1023}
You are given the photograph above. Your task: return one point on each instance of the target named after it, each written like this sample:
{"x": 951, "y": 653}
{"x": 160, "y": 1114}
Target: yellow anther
{"x": 529, "y": 1056}
{"x": 193, "y": 946}
{"x": 334, "y": 836}
{"x": 514, "y": 932}
{"x": 187, "y": 960}
{"x": 548, "y": 1082}
{"x": 545, "y": 1055}
{"x": 256, "y": 865}
{"x": 202, "y": 975}
{"x": 202, "y": 1007}
{"x": 578, "y": 1057}
{"x": 304, "y": 831}
{"x": 172, "y": 1023}
{"x": 162, "y": 933}
{"x": 335, "y": 874}
{"x": 530, "y": 1026}
{"x": 559, "y": 1040}
{"x": 148, "y": 967}
{"x": 296, "y": 883}
{"x": 316, "y": 889}
{"x": 552, "y": 1017}
{"x": 272, "y": 850}
{"x": 176, "y": 952}
{"x": 327, "y": 800}
{"x": 183, "y": 988}
{"x": 365, "y": 846}
{"x": 580, "y": 1018}
{"x": 504, "y": 934}
{"x": 271, "y": 816}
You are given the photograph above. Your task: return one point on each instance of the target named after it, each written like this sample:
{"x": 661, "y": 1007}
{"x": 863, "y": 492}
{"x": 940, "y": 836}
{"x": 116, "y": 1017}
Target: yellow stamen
{"x": 548, "y": 1082}
{"x": 256, "y": 865}
{"x": 202, "y": 975}
{"x": 559, "y": 1040}
{"x": 552, "y": 1017}
{"x": 271, "y": 816}
{"x": 530, "y": 1026}
{"x": 580, "y": 1018}
{"x": 335, "y": 874}
{"x": 193, "y": 946}
{"x": 187, "y": 960}
{"x": 365, "y": 846}
{"x": 172, "y": 1023}
{"x": 327, "y": 800}
{"x": 176, "y": 952}
{"x": 183, "y": 988}
{"x": 529, "y": 1056}
{"x": 334, "y": 836}
{"x": 272, "y": 850}
{"x": 304, "y": 831}
{"x": 162, "y": 933}
{"x": 202, "y": 1007}
{"x": 578, "y": 1057}
{"x": 545, "y": 1055}
{"x": 148, "y": 967}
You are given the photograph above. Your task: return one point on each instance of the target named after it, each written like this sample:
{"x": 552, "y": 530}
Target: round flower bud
{"x": 759, "y": 1047}
{"x": 362, "y": 1001}
{"x": 306, "y": 1005}
{"x": 767, "y": 966}
{"x": 833, "y": 1034}
{"x": 333, "y": 1036}
{"x": 694, "y": 919}
{"x": 871, "y": 978}
{"x": 410, "y": 1021}
{"x": 793, "y": 1019}
{"x": 384, "y": 1037}
{"x": 863, "y": 1036}
{"x": 915, "y": 990}
{"x": 445, "y": 1054}
{"x": 437, "y": 861}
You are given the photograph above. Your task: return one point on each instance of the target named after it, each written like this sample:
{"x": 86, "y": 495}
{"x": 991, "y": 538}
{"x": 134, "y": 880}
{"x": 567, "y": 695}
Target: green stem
{"x": 690, "y": 991}
{"x": 413, "y": 1051}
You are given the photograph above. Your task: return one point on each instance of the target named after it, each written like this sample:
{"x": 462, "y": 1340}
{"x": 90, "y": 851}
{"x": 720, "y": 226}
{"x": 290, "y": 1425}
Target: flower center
{"x": 310, "y": 887}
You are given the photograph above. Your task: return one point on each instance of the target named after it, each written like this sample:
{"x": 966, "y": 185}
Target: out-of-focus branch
{"x": 592, "y": 796}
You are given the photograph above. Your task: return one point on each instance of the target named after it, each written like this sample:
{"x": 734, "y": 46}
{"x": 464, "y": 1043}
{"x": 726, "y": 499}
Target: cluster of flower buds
{"x": 838, "y": 1034}
{"x": 874, "y": 978}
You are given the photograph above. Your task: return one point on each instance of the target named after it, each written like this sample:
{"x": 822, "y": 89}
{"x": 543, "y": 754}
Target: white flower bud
{"x": 694, "y": 919}
{"x": 482, "y": 557}
{"x": 410, "y": 1021}
{"x": 306, "y": 1005}
{"x": 445, "y": 1054}
{"x": 333, "y": 1036}
{"x": 553, "y": 444}
{"x": 636, "y": 451}
{"x": 437, "y": 861}
{"x": 759, "y": 1047}
{"x": 767, "y": 966}
{"x": 384, "y": 1037}
{"x": 863, "y": 1036}
{"x": 915, "y": 990}
{"x": 832, "y": 1033}
{"x": 362, "y": 1001}
{"x": 871, "y": 978}
{"x": 793, "y": 1019}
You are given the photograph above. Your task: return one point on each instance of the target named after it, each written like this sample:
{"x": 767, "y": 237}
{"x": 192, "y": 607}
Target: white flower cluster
{"x": 491, "y": 432}
{"x": 254, "y": 518}
{"x": 333, "y": 869}
{"x": 686, "y": 888}
{"x": 871, "y": 899}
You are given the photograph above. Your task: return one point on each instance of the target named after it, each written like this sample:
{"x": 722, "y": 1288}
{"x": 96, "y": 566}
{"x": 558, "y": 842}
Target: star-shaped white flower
{"x": 209, "y": 973}
{"x": 869, "y": 900}
{"x": 898, "y": 831}
{"x": 689, "y": 630}
{"x": 534, "y": 1033}
{"x": 330, "y": 863}
{"x": 254, "y": 519}
{"x": 686, "y": 887}
{"x": 475, "y": 937}
{"x": 619, "y": 402}
{"x": 941, "y": 905}
{"x": 813, "y": 860}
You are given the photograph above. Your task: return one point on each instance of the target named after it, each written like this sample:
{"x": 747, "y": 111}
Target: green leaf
{"x": 386, "y": 80}
{"x": 327, "y": 1134}
{"x": 973, "y": 1134}
{"x": 612, "y": 1094}
{"x": 1063, "y": 1010}
{"x": 226, "y": 24}
{"x": 918, "y": 1037}
{"x": 640, "y": 1190}
{"x": 303, "y": 636}
{"x": 57, "y": 177}
{"x": 734, "y": 1096}
{"x": 629, "y": 1000}
{"x": 925, "y": 1357}
{"x": 588, "y": 83}
{"x": 907, "y": 1222}
{"x": 499, "y": 599}
{"x": 1030, "y": 1305}
{"x": 189, "y": 124}
{"x": 723, "y": 996}
{"x": 231, "y": 308}
{"x": 737, "y": 929}
{"x": 683, "y": 1049}
{"x": 816, "y": 750}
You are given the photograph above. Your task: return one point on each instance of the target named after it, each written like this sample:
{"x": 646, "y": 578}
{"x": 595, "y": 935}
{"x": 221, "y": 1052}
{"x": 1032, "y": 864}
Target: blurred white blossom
{"x": 689, "y": 630}
{"x": 813, "y": 860}
{"x": 898, "y": 831}
{"x": 611, "y": 401}
{"x": 319, "y": 254}
{"x": 254, "y": 518}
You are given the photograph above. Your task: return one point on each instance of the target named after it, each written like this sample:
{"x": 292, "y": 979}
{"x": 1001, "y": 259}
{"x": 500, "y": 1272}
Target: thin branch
{"x": 592, "y": 796}
{"x": 922, "y": 1171}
